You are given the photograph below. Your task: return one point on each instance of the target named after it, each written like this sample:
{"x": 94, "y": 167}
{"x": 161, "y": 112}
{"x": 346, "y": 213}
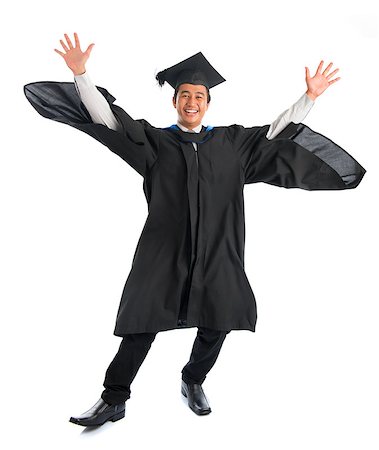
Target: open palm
{"x": 74, "y": 57}
{"x": 320, "y": 81}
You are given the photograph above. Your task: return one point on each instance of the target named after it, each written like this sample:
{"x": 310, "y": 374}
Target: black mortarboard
{"x": 193, "y": 70}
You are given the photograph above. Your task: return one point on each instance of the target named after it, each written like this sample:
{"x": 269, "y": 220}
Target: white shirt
{"x": 101, "y": 112}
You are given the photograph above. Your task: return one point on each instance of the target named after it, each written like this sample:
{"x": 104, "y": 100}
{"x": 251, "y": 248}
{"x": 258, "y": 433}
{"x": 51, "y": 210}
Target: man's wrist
{"x": 80, "y": 71}
{"x": 311, "y": 96}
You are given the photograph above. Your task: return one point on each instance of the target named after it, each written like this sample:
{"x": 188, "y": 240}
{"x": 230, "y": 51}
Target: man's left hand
{"x": 320, "y": 82}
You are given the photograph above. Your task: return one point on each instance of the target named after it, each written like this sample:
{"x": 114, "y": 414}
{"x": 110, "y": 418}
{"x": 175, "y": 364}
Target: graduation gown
{"x": 188, "y": 266}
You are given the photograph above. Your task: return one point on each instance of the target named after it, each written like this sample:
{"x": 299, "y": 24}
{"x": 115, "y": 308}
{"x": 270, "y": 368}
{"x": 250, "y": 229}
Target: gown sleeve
{"x": 298, "y": 157}
{"x": 135, "y": 141}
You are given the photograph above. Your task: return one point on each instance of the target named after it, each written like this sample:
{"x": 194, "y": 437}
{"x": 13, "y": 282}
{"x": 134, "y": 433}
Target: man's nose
{"x": 191, "y": 101}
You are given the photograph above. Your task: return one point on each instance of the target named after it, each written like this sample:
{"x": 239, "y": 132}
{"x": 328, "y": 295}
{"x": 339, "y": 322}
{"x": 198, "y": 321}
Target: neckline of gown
{"x": 186, "y": 136}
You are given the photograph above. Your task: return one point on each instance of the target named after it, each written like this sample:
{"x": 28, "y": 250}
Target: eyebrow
{"x": 188, "y": 92}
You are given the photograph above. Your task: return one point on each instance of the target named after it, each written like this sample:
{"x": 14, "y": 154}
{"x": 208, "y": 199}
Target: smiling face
{"x": 191, "y": 104}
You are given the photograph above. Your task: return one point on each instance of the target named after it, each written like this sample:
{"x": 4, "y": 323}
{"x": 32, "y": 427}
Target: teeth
{"x": 191, "y": 110}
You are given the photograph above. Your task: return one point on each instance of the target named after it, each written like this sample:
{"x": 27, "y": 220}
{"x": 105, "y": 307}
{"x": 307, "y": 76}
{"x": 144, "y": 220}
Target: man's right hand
{"x": 74, "y": 57}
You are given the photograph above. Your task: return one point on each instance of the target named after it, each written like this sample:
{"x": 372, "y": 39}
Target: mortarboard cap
{"x": 193, "y": 70}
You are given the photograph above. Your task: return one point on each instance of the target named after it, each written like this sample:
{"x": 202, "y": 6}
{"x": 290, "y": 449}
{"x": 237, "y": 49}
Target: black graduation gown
{"x": 188, "y": 266}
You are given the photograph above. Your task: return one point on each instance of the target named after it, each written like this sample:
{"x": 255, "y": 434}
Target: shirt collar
{"x": 196, "y": 129}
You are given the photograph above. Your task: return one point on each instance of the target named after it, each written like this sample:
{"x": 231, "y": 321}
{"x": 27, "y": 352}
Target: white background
{"x": 72, "y": 213}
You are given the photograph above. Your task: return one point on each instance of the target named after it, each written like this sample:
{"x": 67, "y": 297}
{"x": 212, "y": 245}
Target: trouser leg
{"x": 124, "y": 367}
{"x": 205, "y": 351}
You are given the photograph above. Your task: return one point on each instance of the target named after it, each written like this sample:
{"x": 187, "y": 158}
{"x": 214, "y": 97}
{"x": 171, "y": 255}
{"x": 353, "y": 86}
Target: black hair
{"x": 208, "y": 94}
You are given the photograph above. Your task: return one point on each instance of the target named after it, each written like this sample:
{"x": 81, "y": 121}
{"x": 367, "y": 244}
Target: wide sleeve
{"x": 297, "y": 158}
{"x": 135, "y": 141}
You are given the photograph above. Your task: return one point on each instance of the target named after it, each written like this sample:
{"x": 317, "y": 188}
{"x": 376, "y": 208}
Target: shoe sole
{"x": 114, "y": 418}
{"x": 199, "y": 413}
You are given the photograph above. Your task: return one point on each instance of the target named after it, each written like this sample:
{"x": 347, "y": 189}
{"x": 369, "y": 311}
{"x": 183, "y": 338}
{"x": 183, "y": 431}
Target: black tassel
{"x": 161, "y": 77}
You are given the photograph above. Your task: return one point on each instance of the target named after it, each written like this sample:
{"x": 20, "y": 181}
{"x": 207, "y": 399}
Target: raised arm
{"x": 136, "y": 141}
{"x": 316, "y": 85}
{"x": 299, "y": 157}
{"x": 93, "y": 100}
{"x": 296, "y": 114}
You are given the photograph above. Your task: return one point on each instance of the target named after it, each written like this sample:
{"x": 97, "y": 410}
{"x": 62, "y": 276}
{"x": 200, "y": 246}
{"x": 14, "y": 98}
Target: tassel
{"x": 161, "y": 77}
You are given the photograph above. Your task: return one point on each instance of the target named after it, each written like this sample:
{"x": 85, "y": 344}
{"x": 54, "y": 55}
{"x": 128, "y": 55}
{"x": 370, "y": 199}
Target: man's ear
{"x": 174, "y": 102}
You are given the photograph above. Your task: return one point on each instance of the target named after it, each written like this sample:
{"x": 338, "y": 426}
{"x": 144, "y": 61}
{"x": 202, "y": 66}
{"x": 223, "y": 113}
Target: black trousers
{"x": 133, "y": 350}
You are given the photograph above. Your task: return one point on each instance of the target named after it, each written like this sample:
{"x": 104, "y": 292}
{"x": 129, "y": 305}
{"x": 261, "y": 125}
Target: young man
{"x": 188, "y": 267}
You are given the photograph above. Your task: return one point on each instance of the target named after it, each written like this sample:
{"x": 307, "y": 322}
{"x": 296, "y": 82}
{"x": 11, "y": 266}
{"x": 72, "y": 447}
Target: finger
{"x": 64, "y": 45}
{"x": 62, "y": 54}
{"x": 68, "y": 41}
{"x": 77, "y": 43}
{"x": 327, "y": 69}
{"x": 319, "y": 67}
{"x": 89, "y": 49}
{"x": 333, "y": 73}
{"x": 306, "y": 72}
{"x": 333, "y": 81}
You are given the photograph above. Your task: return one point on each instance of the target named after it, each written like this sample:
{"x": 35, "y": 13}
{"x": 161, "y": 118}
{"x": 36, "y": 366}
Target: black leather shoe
{"x": 100, "y": 413}
{"x": 196, "y": 398}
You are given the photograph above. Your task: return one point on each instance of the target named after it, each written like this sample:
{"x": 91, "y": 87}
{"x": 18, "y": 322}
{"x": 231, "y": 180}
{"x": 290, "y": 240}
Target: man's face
{"x": 191, "y": 104}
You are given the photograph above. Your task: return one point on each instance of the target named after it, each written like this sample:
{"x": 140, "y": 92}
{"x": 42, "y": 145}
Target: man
{"x": 188, "y": 267}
